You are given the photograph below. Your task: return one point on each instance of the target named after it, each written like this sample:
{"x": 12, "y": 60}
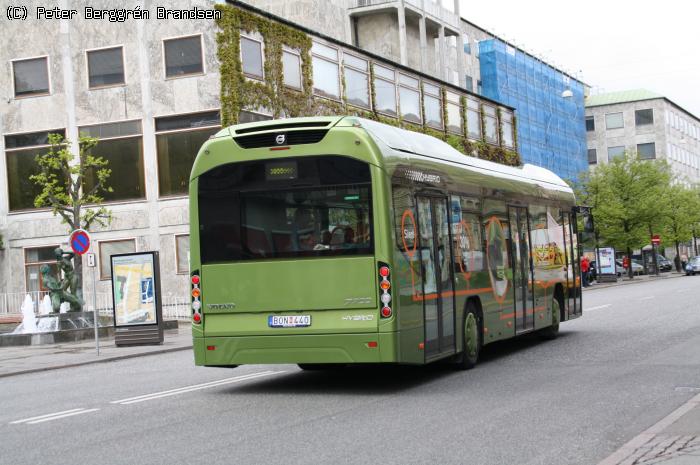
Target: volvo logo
{"x": 280, "y": 139}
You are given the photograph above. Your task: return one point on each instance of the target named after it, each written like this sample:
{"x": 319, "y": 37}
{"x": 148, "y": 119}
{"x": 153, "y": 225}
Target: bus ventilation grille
{"x": 270, "y": 139}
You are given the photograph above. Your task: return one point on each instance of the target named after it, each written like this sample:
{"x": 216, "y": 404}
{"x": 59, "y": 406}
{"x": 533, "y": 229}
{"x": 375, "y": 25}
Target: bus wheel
{"x": 472, "y": 338}
{"x": 551, "y": 332}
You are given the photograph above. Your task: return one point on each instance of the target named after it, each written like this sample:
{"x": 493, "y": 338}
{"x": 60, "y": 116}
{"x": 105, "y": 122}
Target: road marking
{"x": 195, "y": 387}
{"x": 596, "y": 308}
{"x": 54, "y": 416}
{"x": 649, "y": 297}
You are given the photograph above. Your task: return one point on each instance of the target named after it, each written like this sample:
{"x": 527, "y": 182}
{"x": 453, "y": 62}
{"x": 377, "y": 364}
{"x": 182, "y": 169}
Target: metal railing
{"x": 175, "y": 307}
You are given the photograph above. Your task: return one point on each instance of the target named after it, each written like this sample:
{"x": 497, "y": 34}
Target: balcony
{"x": 431, "y": 9}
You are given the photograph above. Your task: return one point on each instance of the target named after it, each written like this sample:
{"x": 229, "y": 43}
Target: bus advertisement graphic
{"x": 133, "y": 281}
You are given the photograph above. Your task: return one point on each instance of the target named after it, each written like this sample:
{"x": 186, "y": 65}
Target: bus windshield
{"x": 296, "y": 208}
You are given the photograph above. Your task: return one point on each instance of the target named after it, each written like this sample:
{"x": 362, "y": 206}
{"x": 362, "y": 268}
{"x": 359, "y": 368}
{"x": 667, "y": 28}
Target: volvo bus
{"x": 338, "y": 240}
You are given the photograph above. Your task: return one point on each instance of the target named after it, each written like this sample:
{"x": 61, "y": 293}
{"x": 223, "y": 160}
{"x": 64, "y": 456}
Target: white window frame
{"x": 48, "y": 77}
{"x": 295, "y": 52}
{"x": 87, "y": 67}
{"x": 367, "y": 75}
{"x": 622, "y": 118}
{"x": 438, "y": 96}
{"x": 339, "y": 98}
{"x": 396, "y": 89}
{"x": 202, "y": 54}
{"x": 417, "y": 89}
{"x": 262, "y": 57}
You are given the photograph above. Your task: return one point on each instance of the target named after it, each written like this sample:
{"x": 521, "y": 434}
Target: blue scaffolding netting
{"x": 551, "y": 129}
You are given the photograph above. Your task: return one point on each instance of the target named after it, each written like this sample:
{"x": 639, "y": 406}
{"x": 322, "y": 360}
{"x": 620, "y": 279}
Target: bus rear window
{"x": 304, "y": 207}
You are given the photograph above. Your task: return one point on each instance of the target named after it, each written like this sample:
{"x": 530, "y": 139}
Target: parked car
{"x": 664, "y": 263}
{"x": 693, "y": 266}
{"x": 637, "y": 268}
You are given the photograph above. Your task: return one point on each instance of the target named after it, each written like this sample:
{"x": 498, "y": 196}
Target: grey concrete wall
{"x": 661, "y": 133}
{"x": 379, "y": 33}
{"x": 147, "y": 94}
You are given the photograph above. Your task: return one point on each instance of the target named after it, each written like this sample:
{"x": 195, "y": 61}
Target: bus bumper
{"x": 319, "y": 348}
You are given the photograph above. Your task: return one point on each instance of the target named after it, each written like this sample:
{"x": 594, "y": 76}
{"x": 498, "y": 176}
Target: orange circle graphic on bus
{"x": 497, "y": 258}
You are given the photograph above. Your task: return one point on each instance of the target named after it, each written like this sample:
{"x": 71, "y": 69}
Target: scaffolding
{"x": 551, "y": 129}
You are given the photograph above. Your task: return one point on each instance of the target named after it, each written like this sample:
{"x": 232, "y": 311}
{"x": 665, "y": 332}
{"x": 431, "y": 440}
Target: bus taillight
{"x": 385, "y": 290}
{"x": 196, "y": 295}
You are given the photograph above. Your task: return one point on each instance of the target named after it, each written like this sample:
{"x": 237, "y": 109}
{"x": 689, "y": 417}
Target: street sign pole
{"x": 91, "y": 264}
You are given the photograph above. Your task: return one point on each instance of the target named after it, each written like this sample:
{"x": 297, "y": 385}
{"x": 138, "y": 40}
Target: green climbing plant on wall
{"x": 270, "y": 95}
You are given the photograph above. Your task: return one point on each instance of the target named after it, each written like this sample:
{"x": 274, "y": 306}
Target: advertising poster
{"x": 606, "y": 260}
{"x": 133, "y": 281}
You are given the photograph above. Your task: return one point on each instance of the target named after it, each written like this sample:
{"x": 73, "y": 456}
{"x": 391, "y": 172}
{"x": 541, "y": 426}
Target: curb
{"x": 634, "y": 281}
{"x": 91, "y": 362}
{"x": 642, "y": 438}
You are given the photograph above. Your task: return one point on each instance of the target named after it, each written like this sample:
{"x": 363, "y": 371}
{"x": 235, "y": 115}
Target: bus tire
{"x": 471, "y": 328}
{"x": 551, "y": 332}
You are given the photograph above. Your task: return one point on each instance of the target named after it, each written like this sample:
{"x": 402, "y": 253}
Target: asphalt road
{"x": 632, "y": 359}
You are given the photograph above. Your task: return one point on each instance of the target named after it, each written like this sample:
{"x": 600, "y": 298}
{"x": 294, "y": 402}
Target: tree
{"x": 73, "y": 188}
{"x": 682, "y": 214}
{"x": 626, "y": 195}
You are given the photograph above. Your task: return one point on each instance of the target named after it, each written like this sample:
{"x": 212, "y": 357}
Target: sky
{"x": 610, "y": 45}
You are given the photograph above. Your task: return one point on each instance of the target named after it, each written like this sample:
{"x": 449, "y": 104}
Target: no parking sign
{"x": 79, "y": 241}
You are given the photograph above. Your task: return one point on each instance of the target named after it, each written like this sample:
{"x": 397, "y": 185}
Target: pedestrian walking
{"x": 585, "y": 268}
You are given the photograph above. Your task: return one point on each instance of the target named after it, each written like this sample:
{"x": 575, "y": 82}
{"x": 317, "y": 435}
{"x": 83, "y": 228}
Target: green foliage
{"x": 239, "y": 93}
{"x": 629, "y": 200}
{"x": 62, "y": 183}
{"x": 682, "y": 213}
{"x": 2, "y": 244}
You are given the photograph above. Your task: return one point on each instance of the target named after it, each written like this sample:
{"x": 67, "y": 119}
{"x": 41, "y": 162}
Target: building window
{"x": 109, "y": 248}
{"x": 409, "y": 99}
{"x": 454, "y": 113}
{"x": 31, "y": 77}
{"x": 252, "y": 58}
{"x": 614, "y": 121}
{"x": 105, "y": 67}
{"x": 20, "y": 153}
{"x": 178, "y": 139}
{"x": 326, "y": 72}
{"x": 183, "y": 56}
{"x": 291, "y": 69}
{"x": 356, "y": 72}
{"x": 507, "y": 128}
{"x": 616, "y": 152}
{"x": 467, "y": 45}
{"x": 182, "y": 253}
{"x": 590, "y": 124}
{"x": 646, "y": 151}
{"x": 644, "y": 117}
{"x": 34, "y": 258}
{"x": 473, "y": 119}
{"x": 385, "y": 90}
{"x": 490, "y": 124}
{"x": 479, "y": 88}
{"x": 470, "y": 84}
{"x": 432, "y": 104}
{"x": 592, "y": 157}
{"x": 121, "y": 144}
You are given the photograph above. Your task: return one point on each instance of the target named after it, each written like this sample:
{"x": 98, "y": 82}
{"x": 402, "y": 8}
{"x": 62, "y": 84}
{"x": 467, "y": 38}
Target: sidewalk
{"x": 30, "y": 359}
{"x": 637, "y": 279}
{"x": 675, "y": 440}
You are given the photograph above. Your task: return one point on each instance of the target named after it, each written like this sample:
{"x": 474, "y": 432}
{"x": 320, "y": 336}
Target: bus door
{"x": 438, "y": 290}
{"x": 573, "y": 272}
{"x": 523, "y": 276}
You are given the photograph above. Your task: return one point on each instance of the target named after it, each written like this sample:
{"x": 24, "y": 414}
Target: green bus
{"x": 338, "y": 240}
